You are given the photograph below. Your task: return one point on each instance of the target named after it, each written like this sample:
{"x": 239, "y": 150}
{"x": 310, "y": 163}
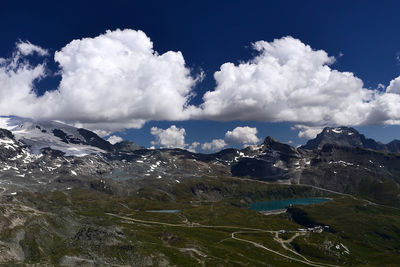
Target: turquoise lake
{"x": 282, "y": 204}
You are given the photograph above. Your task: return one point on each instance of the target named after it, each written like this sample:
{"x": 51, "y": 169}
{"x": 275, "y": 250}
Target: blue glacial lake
{"x": 282, "y": 204}
{"x": 164, "y": 211}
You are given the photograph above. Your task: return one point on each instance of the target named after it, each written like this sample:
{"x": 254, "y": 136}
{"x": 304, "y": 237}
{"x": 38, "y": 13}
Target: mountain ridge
{"x": 349, "y": 137}
{"x": 59, "y": 136}
{"x": 82, "y": 158}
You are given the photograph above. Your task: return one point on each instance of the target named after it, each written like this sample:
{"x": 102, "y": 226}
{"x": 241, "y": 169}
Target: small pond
{"x": 284, "y": 203}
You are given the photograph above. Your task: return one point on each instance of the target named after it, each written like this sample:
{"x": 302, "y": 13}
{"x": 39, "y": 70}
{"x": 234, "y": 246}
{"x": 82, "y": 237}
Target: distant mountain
{"x": 271, "y": 161}
{"x": 38, "y": 135}
{"x": 127, "y": 146}
{"x": 50, "y": 154}
{"x": 393, "y": 146}
{"x": 349, "y": 137}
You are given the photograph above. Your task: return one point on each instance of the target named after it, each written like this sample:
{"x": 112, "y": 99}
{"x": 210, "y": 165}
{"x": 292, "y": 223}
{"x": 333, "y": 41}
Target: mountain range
{"x": 349, "y": 137}
{"x": 42, "y": 152}
{"x": 48, "y": 167}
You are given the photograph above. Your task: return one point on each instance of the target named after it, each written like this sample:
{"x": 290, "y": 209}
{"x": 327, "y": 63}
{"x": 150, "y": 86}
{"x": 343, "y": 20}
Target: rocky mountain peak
{"x": 338, "y": 131}
{"x": 272, "y": 144}
{"x": 342, "y": 136}
{"x": 269, "y": 140}
{"x": 126, "y": 146}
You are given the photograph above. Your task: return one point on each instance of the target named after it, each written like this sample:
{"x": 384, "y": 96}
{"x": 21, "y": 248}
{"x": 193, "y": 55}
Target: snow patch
{"x": 337, "y": 130}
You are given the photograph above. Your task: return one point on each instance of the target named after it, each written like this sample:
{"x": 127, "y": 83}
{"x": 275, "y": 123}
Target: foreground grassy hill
{"x": 213, "y": 228}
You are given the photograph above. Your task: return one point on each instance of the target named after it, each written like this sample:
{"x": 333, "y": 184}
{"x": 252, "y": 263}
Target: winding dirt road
{"x": 233, "y": 236}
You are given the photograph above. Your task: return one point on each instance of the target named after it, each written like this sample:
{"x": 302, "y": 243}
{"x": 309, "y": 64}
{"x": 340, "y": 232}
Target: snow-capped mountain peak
{"x": 37, "y": 135}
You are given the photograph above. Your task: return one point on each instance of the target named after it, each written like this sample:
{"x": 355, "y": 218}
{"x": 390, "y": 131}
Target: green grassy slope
{"x": 79, "y": 227}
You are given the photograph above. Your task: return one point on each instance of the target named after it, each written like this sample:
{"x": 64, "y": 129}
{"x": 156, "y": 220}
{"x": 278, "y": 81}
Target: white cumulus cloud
{"x": 113, "y": 139}
{"x": 173, "y": 137}
{"x": 287, "y": 81}
{"x": 214, "y": 145}
{"x": 242, "y": 135}
{"x": 307, "y": 132}
{"x": 115, "y": 80}
{"x": 193, "y": 146}
{"x": 394, "y": 86}
{"x": 16, "y": 86}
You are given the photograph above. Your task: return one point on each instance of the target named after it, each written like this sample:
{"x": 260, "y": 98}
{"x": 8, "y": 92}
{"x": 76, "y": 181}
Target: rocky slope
{"x": 349, "y": 137}
{"x": 40, "y": 156}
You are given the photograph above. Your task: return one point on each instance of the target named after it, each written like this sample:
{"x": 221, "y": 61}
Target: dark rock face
{"x": 271, "y": 144}
{"x": 126, "y": 146}
{"x": 344, "y": 168}
{"x": 228, "y": 154}
{"x": 9, "y": 148}
{"x": 343, "y": 136}
{"x": 60, "y": 134}
{"x": 6, "y": 134}
{"x": 393, "y": 146}
{"x": 257, "y": 168}
{"x": 93, "y": 139}
{"x": 349, "y": 137}
{"x": 351, "y": 165}
{"x": 271, "y": 161}
{"x": 69, "y": 139}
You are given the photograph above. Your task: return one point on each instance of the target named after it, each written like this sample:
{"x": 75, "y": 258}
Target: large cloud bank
{"x": 287, "y": 81}
{"x": 116, "y": 80}
{"x": 113, "y": 81}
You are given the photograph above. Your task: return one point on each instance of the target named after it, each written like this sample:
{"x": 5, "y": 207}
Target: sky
{"x": 204, "y": 75}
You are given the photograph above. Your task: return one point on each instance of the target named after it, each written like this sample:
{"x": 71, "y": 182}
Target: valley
{"x": 81, "y": 223}
{"x": 124, "y": 205}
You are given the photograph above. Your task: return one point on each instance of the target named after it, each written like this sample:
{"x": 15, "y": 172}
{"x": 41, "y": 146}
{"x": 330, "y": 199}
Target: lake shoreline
{"x": 278, "y": 206}
{"x": 272, "y": 212}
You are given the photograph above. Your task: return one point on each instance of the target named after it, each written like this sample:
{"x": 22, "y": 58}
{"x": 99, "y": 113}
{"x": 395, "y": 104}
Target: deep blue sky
{"x": 210, "y": 33}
